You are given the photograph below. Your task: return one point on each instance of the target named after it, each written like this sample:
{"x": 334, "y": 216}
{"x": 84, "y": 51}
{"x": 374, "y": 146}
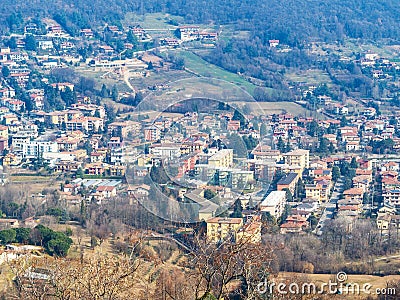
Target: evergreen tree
{"x": 68, "y": 96}
{"x": 114, "y": 93}
{"x": 354, "y": 163}
{"x": 104, "y": 91}
{"x": 237, "y": 209}
{"x": 281, "y": 145}
{"x": 335, "y": 173}
{"x": 131, "y": 38}
{"x": 5, "y": 71}
{"x": 30, "y": 43}
{"x": 237, "y": 116}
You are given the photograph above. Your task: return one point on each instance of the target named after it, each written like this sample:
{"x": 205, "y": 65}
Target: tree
{"x": 313, "y": 221}
{"x": 323, "y": 145}
{"x": 237, "y": 116}
{"x": 7, "y": 236}
{"x": 335, "y": 173}
{"x": 114, "y": 93}
{"x": 354, "y": 163}
{"x": 178, "y": 63}
{"x": 22, "y": 235}
{"x": 281, "y": 145}
{"x": 131, "y": 38}
{"x": 110, "y": 113}
{"x": 68, "y": 96}
{"x": 104, "y": 91}
{"x": 30, "y": 43}
{"x": 286, "y": 213}
{"x": 289, "y": 196}
{"x": 238, "y": 145}
{"x": 237, "y": 209}
{"x": 5, "y": 71}
{"x": 97, "y": 276}
{"x": 216, "y": 267}
{"x": 12, "y": 43}
{"x": 300, "y": 190}
{"x": 343, "y": 121}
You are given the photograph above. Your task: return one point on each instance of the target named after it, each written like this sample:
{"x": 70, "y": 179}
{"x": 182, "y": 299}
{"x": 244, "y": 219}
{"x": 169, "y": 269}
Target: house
{"x": 294, "y": 224}
{"x": 8, "y": 223}
{"x": 107, "y": 191}
{"x": 233, "y": 125}
{"x": 189, "y": 33}
{"x": 152, "y": 133}
{"x": 273, "y": 43}
{"x": 97, "y": 157}
{"x": 206, "y": 208}
{"x": 223, "y": 158}
{"x": 140, "y": 191}
{"x": 391, "y": 197}
{"x": 350, "y": 204}
{"x": 362, "y": 182}
{"x": 354, "y": 194}
{"x": 219, "y": 229}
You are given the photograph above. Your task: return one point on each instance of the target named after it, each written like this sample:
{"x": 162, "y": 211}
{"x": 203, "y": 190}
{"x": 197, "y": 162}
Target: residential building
{"x": 219, "y": 229}
{"x": 274, "y": 203}
{"x": 288, "y": 181}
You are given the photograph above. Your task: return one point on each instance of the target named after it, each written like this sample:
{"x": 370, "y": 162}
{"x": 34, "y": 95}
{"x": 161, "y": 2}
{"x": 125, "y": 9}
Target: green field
{"x": 314, "y": 76}
{"x": 203, "y": 68}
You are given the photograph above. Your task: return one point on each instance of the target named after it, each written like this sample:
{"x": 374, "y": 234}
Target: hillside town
{"x": 296, "y": 171}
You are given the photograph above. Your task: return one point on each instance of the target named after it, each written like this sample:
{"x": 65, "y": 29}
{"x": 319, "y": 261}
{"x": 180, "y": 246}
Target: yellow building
{"x": 56, "y": 118}
{"x": 298, "y": 158}
{"x": 221, "y": 228}
{"x": 223, "y": 158}
{"x": 313, "y": 191}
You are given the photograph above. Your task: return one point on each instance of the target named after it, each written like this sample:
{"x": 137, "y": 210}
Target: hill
{"x": 292, "y": 22}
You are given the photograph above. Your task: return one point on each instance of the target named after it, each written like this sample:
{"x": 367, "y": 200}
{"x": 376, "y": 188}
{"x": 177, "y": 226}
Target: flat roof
{"x": 273, "y": 198}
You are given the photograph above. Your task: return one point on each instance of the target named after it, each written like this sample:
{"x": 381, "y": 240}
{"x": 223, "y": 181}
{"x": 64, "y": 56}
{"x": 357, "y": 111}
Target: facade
{"x": 219, "y": 229}
{"x": 35, "y": 149}
{"x": 274, "y": 203}
{"x": 223, "y": 158}
{"x": 298, "y": 158}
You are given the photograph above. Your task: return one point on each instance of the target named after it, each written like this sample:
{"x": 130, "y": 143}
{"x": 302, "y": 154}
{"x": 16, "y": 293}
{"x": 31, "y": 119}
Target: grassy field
{"x": 152, "y": 21}
{"x": 201, "y": 67}
{"x": 260, "y": 108}
{"x": 109, "y": 82}
{"x": 314, "y": 76}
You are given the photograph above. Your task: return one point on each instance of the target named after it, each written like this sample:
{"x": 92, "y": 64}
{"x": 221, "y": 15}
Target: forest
{"x": 292, "y": 22}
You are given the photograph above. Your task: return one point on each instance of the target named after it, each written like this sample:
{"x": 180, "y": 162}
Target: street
{"x": 329, "y": 207}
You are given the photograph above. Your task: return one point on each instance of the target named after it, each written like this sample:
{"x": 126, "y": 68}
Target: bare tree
{"x": 228, "y": 268}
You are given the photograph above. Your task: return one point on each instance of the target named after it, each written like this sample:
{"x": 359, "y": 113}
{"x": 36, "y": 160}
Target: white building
{"x": 166, "y": 151}
{"x": 274, "y": 203}
{"x": 35, "y": 149}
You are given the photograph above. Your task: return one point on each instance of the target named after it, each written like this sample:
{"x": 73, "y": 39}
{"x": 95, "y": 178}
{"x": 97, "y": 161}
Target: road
{"x": 330, "y": 206}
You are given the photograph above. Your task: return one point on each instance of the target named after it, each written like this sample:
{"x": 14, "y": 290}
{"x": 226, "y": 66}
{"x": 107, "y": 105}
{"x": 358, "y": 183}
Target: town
{"x": 80, "y": 135}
